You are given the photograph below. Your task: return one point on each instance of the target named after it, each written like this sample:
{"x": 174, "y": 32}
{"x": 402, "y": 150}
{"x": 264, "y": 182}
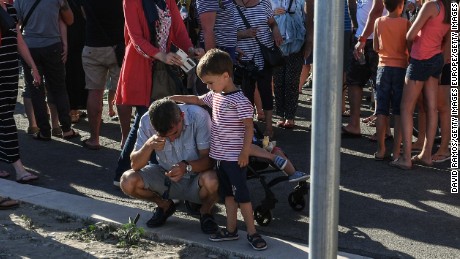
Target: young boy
{"x": 231, "y": 139}
{"x": 390, "y": 43}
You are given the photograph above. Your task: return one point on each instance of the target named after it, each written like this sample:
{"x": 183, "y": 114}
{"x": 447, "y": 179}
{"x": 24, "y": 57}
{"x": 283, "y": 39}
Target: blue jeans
{"x": 124, "y": 161}
{"x": 390, "y": 83}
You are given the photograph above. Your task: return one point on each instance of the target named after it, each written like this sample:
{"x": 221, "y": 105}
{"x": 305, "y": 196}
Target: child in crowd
{"x": 231, "y": 139}
{"x": 424, "y": 40}
{"x": 390, "y": 43}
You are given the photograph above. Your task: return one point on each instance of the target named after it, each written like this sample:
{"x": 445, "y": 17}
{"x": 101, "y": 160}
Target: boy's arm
{"x": 376, "y": 38}
{"x": 188, "y": 99}
{"x": 243, "y": 159}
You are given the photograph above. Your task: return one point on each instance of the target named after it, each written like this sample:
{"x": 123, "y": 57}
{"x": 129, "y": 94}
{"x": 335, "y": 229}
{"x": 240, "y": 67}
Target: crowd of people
{"x": 74, "y": 50}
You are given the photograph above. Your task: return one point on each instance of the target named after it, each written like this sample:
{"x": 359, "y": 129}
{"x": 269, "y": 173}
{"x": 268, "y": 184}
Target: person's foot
{"x": 160, "y": 215}
{"x": 401, "y": 164}
{"x": 280, "y": 123}
{"x": 91, "y": 145}
{"x": 440, "y": 158}
{"x": 289, "y": 124}
{"x": 70, "y": 134}
{"x": 280, "y": 162}
{"x": 373, "y": 117}
{"x": 298, "y": 176}
{"x": 8, "y": 203}
{"x": 347, "y": 132}
{"x": 417, "y": 159}
{"x": 4, "y": 174}
{"x": 26, "y": 177}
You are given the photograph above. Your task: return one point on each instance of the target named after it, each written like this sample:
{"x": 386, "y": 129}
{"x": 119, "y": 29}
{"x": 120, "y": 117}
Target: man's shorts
{"x": 390, "y": 83}
{"x": 347, "y": 41}
{"x": 445, "y": 75}
{"x": 421, "y": 70}
{"x": 232, "y": 181}
{"x": 98, "y": 62}
{"x": 360, "y": 74}
{"x": 186, "y": 189}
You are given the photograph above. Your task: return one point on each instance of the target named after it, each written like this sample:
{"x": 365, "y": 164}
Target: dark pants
{"x": 264, "y": 84}
{"x": 124, "y": 161}
{"x": 49, "y": 64}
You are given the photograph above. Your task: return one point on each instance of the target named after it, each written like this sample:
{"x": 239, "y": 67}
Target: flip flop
{"x": 27, "y": 178}
{"x": 39, "y": 136}
{"x": 347, "y": 134}
{"x": 89, "y": 146}
{"x": 399, "y": 166}
{"x": 7, "y": 203}
{"x": 71, "y": 136}
{"x": 443, "y": 158}
{"x": 378, "y": 158}
{"x": 416, "y": 160}
{"x": 4, "y": 174}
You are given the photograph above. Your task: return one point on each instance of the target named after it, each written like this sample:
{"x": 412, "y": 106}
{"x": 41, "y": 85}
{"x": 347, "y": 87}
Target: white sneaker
{"x": 298, "y": 176}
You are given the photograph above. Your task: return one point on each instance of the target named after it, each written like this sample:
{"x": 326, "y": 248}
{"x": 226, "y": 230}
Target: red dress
{"x": 135, "y": 83}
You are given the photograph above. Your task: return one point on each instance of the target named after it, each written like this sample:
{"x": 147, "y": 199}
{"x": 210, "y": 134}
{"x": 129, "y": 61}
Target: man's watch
{"x": 188, "y": 166}
{"x": 362, "y": 39}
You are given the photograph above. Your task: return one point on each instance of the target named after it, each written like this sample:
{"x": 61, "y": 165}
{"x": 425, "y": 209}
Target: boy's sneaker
{"x": 298, "y": 176}
{"x": 280, "y": 162}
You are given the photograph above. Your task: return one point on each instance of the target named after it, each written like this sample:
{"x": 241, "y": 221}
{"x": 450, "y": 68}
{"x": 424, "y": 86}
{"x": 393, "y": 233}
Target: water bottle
{"x": 362, "y": 58}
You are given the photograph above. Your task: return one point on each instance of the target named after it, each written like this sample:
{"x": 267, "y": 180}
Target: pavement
{"x": 384, "y": 212}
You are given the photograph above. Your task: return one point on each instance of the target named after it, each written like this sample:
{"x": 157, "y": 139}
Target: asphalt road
{"x": 383, "y": 212}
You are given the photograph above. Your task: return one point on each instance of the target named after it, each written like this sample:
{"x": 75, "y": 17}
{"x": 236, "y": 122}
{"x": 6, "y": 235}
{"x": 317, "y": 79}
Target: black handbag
{"x": 273, "y": 56}
{"x": 166, "y": 81}
{"x": 6, "y": 21}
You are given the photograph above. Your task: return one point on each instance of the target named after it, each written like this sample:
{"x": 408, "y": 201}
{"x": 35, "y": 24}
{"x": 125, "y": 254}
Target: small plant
{"x": 129, "y": 234}
{"x": 28, "y": 221}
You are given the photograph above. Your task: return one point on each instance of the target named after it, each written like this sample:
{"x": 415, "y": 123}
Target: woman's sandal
{"x": 7, "y": 203}
{"x": 369, "y": 119}
{"x": 257, "y": 242}
{"x": 73, "y": 135}
{"x": 39, "y": 136}
{"x": 224, "y": 235}
{"x": 56, "y": 132}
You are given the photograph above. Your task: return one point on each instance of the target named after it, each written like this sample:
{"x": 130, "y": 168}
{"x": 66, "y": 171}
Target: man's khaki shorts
{"x": 98, "y": 63}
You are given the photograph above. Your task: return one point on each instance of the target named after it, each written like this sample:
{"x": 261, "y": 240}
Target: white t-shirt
{"x": 363, "y": 8}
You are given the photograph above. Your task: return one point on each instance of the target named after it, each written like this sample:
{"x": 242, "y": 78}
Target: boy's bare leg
{"x": 381, "y": 126}
{"x": 262, "y": 153}
{"x": 231, "y": 208}
{"x": 397, "y": 138}
{"x": 248, "y": 215}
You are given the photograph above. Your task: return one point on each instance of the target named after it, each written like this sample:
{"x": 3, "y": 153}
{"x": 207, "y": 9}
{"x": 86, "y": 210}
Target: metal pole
{"x": 326, "y": 121}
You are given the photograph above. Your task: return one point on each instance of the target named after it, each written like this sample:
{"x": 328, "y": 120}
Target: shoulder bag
{"x": 26, "y": 19}
{"x": 273, "y": 56}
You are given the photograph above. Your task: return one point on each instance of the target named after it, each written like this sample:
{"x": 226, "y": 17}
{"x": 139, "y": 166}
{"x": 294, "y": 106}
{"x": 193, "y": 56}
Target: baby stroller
{"x": 257, "y": 169}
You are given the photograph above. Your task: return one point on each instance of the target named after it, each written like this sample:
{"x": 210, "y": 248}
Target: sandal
{"x": 32, "y": 130}
{"x": 280, "y": 124}
{"x": 257, "y": 242}
{"x": 7, "y": 203}
{"x": 57, "y": 132}
{"x": 74, "y": 134}
{"x": 224, "y": 235}
{"x": 369, "y": 119}
{"x": 4, "y": 174}
{"x": 208, "y": 224}
{"x": 289, "y": 125}
{"x": 39, "y": 136}
{"x": 26, "y": 179}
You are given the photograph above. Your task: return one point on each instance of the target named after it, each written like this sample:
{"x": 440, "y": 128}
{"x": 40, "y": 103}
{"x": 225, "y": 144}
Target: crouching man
{"x": 179, "y": 135}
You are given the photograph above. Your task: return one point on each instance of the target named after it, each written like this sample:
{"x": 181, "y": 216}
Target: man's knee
{"x": 129, "y": 181}
{"x": 209, "y": 181}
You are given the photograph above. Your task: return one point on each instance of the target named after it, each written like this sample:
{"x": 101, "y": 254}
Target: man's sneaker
{"x": 280, "y": 162}
{"x": 298, "y": 176}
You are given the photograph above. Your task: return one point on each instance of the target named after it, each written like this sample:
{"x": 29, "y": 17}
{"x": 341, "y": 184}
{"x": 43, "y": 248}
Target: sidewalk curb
{"x": 188, "y": 232}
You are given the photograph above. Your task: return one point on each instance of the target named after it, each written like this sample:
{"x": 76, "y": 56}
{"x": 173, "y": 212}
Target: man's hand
{"x": 37, "y": 78}
{"x": 359, "y": 48}
{"x": 156, "y": 142}
{"x": 64, "y": 53}
{"x": 176, "y": 173}
{"x": 279, "y": 11}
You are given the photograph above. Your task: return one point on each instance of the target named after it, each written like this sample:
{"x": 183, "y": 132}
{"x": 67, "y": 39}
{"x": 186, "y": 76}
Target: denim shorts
{"x": 360, "y": 74}
{"x": 232, "y": 181}
{"x": 421, "y": 70}
{"x": 389, "y": 86}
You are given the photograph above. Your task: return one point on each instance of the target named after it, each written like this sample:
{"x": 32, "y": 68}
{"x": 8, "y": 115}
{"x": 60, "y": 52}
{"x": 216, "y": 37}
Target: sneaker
{"x": 298, "y": 176}
{"x": 280, "y": 162}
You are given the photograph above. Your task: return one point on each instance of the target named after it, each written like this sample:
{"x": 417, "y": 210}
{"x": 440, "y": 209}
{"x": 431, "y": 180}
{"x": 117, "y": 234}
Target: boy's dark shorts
{"x": 421, "y": 70}
{"x": 389, "y": 86}
{"x": 232, "y": 181}
{"x": 360, "y": 74}
{"x": 445, "y": 76}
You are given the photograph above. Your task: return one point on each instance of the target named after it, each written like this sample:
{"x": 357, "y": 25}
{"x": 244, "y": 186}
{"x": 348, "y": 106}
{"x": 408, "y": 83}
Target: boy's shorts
{"x": 421, "y": 70}
{"x": 97, "y": 63}
{"x": 232, "y": 181}
{"x": 186, "y": 189}
{"x": 445, "y": 76}
{"x": 390, "y": 83}
{"x": 360, "y": 74}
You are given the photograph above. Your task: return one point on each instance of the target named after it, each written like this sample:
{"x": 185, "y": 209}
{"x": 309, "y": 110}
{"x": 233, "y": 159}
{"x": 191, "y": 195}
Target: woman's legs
{"x": 444, "y": 118}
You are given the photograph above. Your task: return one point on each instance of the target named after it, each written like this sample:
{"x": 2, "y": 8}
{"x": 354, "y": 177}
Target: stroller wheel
{"x": 296, "y": 201}
{"x": 262, "y": 216}
{"x": 192, "y": 208}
